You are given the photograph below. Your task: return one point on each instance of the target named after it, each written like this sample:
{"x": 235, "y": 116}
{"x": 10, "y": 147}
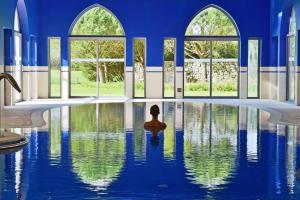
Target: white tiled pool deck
{"x": 280, "y": 112}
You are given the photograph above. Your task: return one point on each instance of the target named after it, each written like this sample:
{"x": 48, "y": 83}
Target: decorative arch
{"x": 293, "y": 23}
{"x": 119, "y": 30}
{"x": 220, "y": 14}
{"x": 211, "y": 55}
{"x": 21, "y": 10}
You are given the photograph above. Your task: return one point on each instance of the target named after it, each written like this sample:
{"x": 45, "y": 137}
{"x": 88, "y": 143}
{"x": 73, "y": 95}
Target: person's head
{"x": 154, "y": 111}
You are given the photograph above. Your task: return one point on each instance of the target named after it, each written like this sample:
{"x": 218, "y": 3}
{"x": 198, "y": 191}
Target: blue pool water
{"x": 101, "y": 151}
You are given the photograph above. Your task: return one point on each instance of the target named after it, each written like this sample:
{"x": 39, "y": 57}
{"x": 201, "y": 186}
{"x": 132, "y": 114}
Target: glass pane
{"x": 211, "y": 21}
{"x": 253, "y": 67}
{"x": 98, "y": 21}
{"x": 17, "y": 72}
{"x": 139, "y": 67}
{"x": 197, "y": 68}
{"x": 111, "y": 68}
{"x": 225, "y": 68}
{"x": 169, "y": 68}
{"x": 83, "y": 68}
{"x": 54, "y": 65}
{"x": 291, "y": 67}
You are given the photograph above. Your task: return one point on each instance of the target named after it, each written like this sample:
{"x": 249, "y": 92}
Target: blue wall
{"x": 154, "y": 19}
{"x": 28, "y": 11}
{"x": 279, "y": 27}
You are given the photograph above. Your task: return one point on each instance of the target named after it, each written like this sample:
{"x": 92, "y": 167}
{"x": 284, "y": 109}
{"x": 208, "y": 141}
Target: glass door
{"x": 211, "y": 68}
{"x": 111, "y": 64}
{"x": 83, "y": 76}
{"x": 291, "y": 67}
{"x": 225, "y": 68}
{"x": 97, "y": 67}
{"x": 197, "y": 74}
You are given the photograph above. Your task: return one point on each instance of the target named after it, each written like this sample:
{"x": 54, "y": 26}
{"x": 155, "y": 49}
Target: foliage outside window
{"x": 139, "y": 57}
{"x": 97, "y": 65}
{"x": 55, "y": 67}
{"x": 169, "y": 68}
{"x": 211, "y": 63}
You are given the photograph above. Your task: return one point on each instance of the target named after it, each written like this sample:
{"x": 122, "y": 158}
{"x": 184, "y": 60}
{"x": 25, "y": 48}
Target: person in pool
{"x": 155, "y": 126}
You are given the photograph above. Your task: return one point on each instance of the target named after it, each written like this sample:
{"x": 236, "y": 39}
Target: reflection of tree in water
{"x": 139, "y": 133}
{"x": 98, "y": 150}
{"x": 210, "y": 147}
{"x": 169, "y": 132}
{"x": 55, "y": 133}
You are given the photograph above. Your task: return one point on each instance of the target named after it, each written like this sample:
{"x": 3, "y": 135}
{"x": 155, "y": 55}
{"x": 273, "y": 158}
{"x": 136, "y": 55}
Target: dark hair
{"x": 154, "y": 110}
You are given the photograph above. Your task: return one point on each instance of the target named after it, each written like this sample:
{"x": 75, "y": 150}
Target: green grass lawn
{"x": 202, "y": 89}
{"x": 80, "y": 86}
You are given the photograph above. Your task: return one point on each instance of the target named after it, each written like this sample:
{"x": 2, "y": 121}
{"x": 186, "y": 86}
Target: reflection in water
{"x": 210, "y": 143}
{"x": 210, "y": 156}
{"x": 252, "y": 130}
{"x": 139, "y": 132}
{"x": 169, "y": 133}
{"x": 98, "y": 143}
{"x": 55, "y": 133}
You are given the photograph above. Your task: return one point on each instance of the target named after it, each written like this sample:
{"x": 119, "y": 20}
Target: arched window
{"x": 211, "y": 55}
{"x": 17, "y": 21}
{"x": 97, "y": 52}
{"x": 291, "y": 64}
{"x": 211, "y": 22}
{"x": 97, "y": 21}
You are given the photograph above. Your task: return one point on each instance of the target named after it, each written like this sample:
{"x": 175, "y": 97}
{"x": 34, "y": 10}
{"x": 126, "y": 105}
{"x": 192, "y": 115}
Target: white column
{"x": 129, "y": 82}
{"x": 179, "y": 83}
{"x": 154, "y": 84}
{"x": 282, "y": 87}
{"x": 65, "y": 82}
{"x": 243, "y": 82}
{"x": 43, "y": 82}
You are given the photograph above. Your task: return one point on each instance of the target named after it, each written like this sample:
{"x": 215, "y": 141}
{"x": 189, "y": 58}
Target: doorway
{"x": 97, "y": 67}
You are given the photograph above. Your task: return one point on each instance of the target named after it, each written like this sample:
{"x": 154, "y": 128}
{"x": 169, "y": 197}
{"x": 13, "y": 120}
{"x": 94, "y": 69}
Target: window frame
{"x": 258, "y": 67}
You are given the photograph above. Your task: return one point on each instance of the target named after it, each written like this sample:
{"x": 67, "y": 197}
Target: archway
{"x": 291, "y": 62}
{"x": 211, "y": 55}
{"x": 97, "y": 54}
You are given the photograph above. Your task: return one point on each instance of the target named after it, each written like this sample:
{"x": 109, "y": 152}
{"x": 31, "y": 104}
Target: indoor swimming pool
{"x": 101, "y": 151}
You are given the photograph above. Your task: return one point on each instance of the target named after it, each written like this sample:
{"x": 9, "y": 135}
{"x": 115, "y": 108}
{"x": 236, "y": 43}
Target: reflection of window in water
{"x": 210, "y": 143}
{"x": 252, "y": 134}
{"x": 291, "y": 154}
{"x": 55, "y": 133}
{"x": 138, "y": 129}
{"x": 169, "y": 132}
{"x": 97, "y": 143}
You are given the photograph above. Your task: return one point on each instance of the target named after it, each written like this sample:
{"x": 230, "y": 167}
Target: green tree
{"x": 98, "y": 21}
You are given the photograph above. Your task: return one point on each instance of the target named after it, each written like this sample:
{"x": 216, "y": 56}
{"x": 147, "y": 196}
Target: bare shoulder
{"x": 163, "y": 125}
